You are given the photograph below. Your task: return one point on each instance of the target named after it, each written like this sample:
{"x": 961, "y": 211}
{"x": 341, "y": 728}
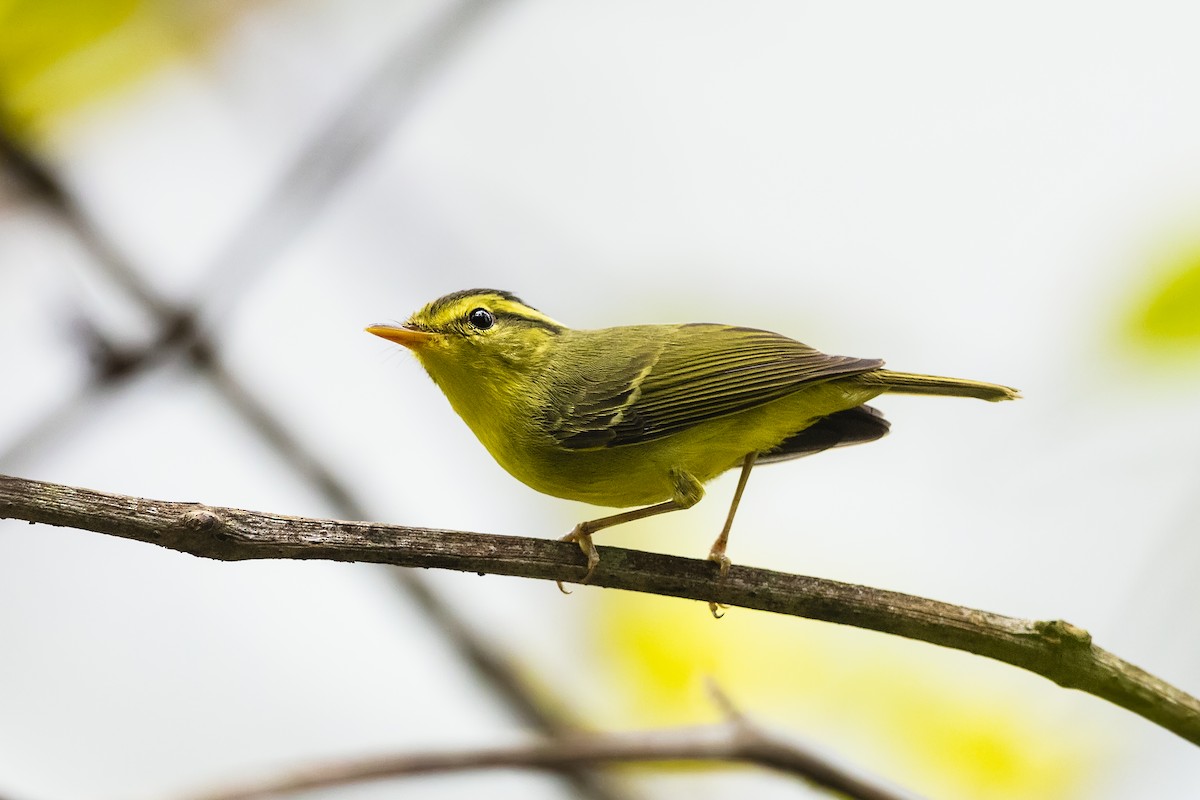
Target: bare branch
{"x": 734, "y": 741}
{"x": 1053, "y": 649}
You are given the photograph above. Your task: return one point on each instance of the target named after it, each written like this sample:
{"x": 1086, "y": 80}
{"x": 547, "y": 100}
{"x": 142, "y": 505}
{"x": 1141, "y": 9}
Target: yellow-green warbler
{"x": 644, "y": 415}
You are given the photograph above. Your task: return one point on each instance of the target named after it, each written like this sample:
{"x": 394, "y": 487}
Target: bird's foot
{"x": 584, "y": 539}
{"x": 723, "y": 563}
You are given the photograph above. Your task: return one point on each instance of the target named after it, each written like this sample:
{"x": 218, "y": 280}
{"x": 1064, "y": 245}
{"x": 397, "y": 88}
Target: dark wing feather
{"x": 582, "y": 414}
{"x": 840, "y": 429}
{"x": 680, "y": 377}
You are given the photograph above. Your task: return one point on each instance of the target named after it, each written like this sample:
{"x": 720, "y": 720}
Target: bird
{"x": 642, "y": 416}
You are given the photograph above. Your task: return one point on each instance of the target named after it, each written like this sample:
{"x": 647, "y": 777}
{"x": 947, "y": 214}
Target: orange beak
{"x": 409, "y": 337}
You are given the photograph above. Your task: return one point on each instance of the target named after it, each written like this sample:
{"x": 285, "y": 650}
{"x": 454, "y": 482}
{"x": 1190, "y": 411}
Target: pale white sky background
{"x": 958, "y": 189}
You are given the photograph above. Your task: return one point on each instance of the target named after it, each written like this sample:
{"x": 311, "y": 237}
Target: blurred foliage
{"x": 57, "y": 55}
{"x": 1166, "y": 318}
{"x": 940, "y": 722}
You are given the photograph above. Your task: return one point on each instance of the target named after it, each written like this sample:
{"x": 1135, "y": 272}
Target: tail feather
{"x": 913, "y": 383}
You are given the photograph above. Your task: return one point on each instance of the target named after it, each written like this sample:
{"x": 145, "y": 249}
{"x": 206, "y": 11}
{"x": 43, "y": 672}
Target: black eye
{"x": 481, "y": 319}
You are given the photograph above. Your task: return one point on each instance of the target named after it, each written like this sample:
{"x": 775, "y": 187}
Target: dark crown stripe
{"x": 454, "y": 297}
{"x": 507, "y": 315}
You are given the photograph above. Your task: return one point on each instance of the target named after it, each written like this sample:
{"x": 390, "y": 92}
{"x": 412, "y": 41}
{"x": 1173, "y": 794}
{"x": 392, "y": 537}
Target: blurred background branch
{"x": 736, "y": 741}
{"x": 350, "y": 136}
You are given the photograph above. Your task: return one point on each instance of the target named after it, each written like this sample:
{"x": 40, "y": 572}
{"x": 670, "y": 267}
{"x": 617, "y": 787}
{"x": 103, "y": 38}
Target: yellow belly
{"x": 639, "y": 474}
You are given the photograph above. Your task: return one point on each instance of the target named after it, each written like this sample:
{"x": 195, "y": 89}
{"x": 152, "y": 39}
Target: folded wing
{"x": 679, "y": 377}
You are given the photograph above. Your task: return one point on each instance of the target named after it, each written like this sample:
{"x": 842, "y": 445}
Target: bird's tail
{"x": 912, "y": 383}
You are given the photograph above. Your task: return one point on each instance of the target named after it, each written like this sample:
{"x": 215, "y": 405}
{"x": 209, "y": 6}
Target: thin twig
{"x": 736, "y": 741}
{"x": 1053, "y": 649}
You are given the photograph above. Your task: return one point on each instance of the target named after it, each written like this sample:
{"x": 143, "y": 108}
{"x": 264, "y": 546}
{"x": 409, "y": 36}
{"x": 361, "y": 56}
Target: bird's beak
{"x": 409, "y": 337}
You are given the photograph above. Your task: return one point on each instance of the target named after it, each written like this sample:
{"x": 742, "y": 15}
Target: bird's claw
{"x": 723, "y": 563}
{"x": 584, "y": 539}
{"x": 721, "y": 560}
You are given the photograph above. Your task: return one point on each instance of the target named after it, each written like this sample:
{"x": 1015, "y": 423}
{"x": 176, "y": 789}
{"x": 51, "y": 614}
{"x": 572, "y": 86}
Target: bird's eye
{"x": 481, "y": 319}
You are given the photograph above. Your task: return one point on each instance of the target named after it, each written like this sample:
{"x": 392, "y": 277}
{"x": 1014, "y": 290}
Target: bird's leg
{"x": 584, "y": 530}
{"x": 687, "y": 492}
{"x": 717, "y": 553}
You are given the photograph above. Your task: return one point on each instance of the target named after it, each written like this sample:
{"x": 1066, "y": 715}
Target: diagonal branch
{"x": 353, "y": 133}
{"x": 349, "y": 137}
{"x": 736, "y": 741}
{"x": 1053, "y": 649}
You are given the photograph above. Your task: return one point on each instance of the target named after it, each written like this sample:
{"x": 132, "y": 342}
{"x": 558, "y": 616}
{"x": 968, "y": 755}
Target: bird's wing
{"x": 682, "y": 376}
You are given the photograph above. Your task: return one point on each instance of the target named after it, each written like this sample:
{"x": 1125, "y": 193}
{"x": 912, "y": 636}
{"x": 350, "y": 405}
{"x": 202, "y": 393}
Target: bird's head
{"x": 474, "y": 335}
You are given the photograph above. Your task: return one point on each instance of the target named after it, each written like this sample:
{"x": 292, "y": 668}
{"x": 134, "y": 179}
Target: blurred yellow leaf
{"x": 56, "y": 55}
{"x": 1168, "y": 317}
{"x": 941, "y": 722}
